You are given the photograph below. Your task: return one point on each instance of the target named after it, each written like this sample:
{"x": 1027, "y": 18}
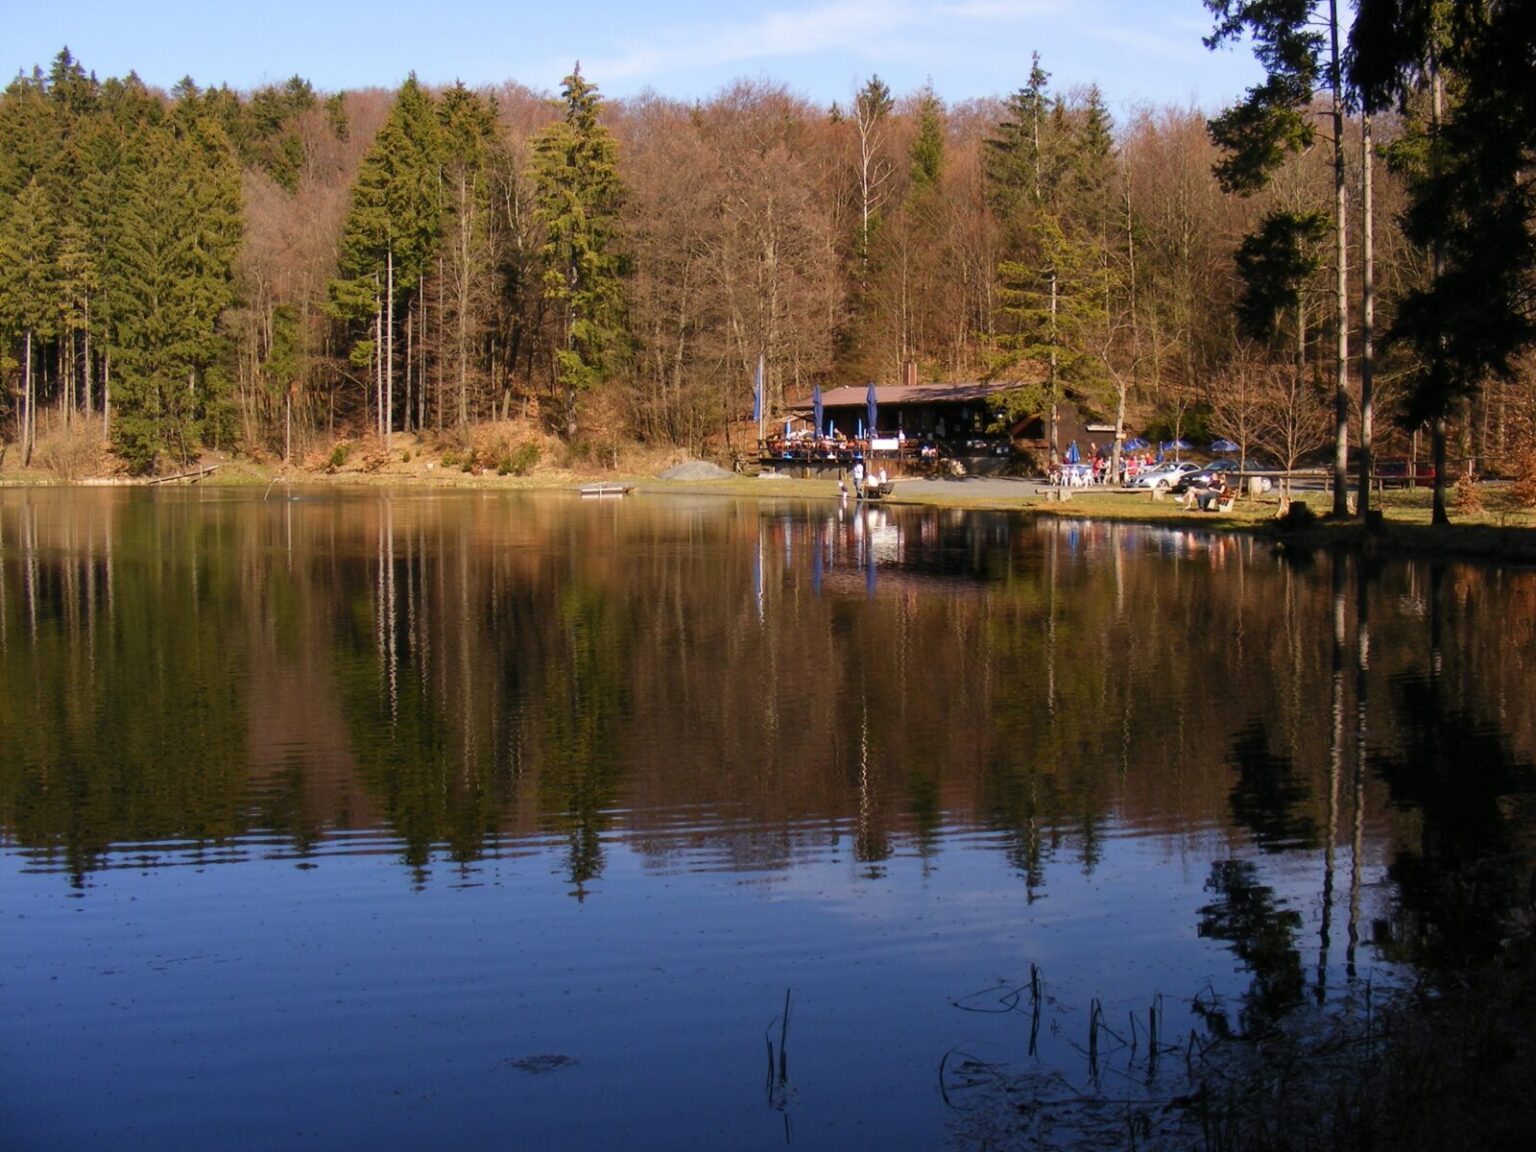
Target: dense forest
{"x": 267, "y": 272}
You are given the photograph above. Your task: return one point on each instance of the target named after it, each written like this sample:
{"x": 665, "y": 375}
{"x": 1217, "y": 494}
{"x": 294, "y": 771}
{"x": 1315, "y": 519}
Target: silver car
{"x": 1163, "y": 476}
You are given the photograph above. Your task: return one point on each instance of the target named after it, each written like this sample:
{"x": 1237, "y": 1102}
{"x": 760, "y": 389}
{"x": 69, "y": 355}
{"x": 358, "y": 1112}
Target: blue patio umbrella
{"x": 1135, "y": 444}
{"x": 1223, "y": 446}
{"x": 816, "y": 412}
{"x": 1176, "y": 445}
{"x": 869, "y": 405}
{"x": 1073, "y": 455}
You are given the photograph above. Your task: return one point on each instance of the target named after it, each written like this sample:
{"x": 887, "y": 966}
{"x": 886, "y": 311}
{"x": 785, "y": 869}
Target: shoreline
{"x": 1504, "y": 535}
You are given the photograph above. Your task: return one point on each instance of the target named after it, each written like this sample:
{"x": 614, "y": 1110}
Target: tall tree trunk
{"x": 387, "y": 415}
{"x": 86, "y": 353}
{"x": 1055, "y": 430}
{"x": 1341, "y": 278}
{"x": 28, "y": 424}
{"x": 378, "y": 366}
{"x": 1439, "y": 514}
{"x": 1367, "y": 314}
{"x": 421, "y": 369}
{"x": 106, "y": 394}
{"x": 410, "y": 365}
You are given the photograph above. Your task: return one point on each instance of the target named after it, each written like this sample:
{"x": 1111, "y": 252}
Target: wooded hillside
{"x": 265, "y": 271}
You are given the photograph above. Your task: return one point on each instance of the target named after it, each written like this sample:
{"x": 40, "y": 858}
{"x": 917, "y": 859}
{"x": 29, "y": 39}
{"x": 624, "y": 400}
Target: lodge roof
{"x": 856, "y": 395}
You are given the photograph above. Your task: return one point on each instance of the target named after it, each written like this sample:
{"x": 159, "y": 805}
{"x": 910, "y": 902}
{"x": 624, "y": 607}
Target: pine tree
{"x": 28, "y": 292}
{"x": 1051, "y": 285}
{"x": 1472, "y": 205}
{"x": 472, "y": 151}
{"x": 176, "y": 237}
{"x": 1271, "y": 123}
{"x": 579, "y": 197}
{"x": 391, "y": 234}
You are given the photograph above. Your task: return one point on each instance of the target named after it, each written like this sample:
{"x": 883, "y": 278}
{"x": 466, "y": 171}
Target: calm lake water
{"x": 487, "y": 820}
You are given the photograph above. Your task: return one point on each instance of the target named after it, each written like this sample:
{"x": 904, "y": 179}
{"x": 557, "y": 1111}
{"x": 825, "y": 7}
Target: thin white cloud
{"x": 997, "y": 9}
{"x": 854, "y": 26}
{"x": 1132, "y": 48}
{"x": 839, "y": 25}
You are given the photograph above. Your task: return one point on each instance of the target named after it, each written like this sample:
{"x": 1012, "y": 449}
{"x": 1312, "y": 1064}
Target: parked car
{"x": 1205, "y": 476}
{"x": 1395, "y": 470}
{"x": 1163, "y": 476}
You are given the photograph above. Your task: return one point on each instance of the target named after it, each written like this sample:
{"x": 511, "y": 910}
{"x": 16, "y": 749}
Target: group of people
{"x": 1096, "y": 470}
{"x": 864, "y": 482}
{"x": 1209, "y": 498}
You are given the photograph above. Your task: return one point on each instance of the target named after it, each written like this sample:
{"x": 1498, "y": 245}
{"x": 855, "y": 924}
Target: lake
{"x": 402, "y": 819}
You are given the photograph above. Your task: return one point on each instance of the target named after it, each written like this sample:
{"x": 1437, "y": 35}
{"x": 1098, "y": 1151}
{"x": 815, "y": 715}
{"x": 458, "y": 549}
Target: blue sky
{"x": 1136, "y": 50}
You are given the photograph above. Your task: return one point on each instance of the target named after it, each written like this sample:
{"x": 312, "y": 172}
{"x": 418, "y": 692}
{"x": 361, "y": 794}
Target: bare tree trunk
{"x": 1367, "y": 315}
{"x": 421, "y": 369}
{"x": 106, "y": 394}
{"x": 1341, "y": 280}
{"x": 28, "y": 422}
{"x": 378, "y": 365}
{"x": 439, "y": 373}
{"x": 1439, "y": 514}
{"x": 388, "y": 413}
{"x": 410, "y": 366}
{"x": 1055, "y": 431}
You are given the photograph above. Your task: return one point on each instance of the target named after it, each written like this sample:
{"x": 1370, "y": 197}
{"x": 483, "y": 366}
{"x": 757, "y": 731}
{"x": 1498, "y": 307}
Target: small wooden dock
{"x": 602, "y": 491}
{"x": 191, "y": 477}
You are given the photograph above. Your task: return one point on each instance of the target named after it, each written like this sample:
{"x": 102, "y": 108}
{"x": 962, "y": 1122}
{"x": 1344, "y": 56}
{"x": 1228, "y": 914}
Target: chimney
{"x": 909, "y": 373}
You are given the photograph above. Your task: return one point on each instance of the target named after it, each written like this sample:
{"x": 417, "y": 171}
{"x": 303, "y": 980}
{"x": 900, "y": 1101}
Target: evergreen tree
{"x": 391, "y": 235}
{"x": 1020, "y": 157}
{"x": 1271, "y": 123}
{"x": 927, "y": 155}
{"x": 472, "y": 151}
{"x": 28, "y": 292}
{"x": 1473, "y": 205}
{"x": 579, "y": 198}
{"x": 177, "y": 238}
{"x": 1052, "y": 283}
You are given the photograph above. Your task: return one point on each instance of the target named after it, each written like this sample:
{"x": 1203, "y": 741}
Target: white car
{"x": 1163, "y": 476}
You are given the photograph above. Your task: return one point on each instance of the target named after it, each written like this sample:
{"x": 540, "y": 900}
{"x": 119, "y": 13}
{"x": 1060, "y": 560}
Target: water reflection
{"x": 1161, "y": 742}
{"x": 461, "y": 671}
{"x": 1262, "y": 931}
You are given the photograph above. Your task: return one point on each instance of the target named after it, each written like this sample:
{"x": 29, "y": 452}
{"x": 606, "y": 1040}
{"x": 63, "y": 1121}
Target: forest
{"x": 1343, "y": 258}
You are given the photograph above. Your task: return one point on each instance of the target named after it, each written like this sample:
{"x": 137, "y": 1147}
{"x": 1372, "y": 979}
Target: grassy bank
{"x": 1498, "y": 530}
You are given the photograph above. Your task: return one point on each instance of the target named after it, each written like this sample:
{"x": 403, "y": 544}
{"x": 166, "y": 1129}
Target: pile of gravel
{"x": 697, "y": 470}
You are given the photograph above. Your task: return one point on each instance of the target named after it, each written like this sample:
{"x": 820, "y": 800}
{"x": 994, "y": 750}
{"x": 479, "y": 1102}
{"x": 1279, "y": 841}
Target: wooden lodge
{"x": 936, "y": 428}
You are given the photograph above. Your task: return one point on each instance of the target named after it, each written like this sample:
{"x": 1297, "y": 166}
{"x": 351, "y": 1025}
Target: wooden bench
{"x": 1199, "y": 499}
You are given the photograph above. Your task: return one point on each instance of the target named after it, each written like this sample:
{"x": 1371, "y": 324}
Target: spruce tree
{"x": 579, "y": 198}
{"x": 1050, "y": 284}
{"x": 472, "y": 151}
{"x": 391, "y": 234}
{"x": 28, "y": 293}
{"x": 1472, "y": 203}
{"x": 1273, "y": 122}
{"x": 176, "y": 238}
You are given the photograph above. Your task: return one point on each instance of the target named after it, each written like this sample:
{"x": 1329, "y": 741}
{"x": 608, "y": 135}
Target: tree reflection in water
{"x": 710, "y": 690}
{"x": 1470, "y": 870}
{"x": 1262, "y": 932}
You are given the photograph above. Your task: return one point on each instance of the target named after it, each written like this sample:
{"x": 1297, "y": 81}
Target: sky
{"x": 1137, "y": 51}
